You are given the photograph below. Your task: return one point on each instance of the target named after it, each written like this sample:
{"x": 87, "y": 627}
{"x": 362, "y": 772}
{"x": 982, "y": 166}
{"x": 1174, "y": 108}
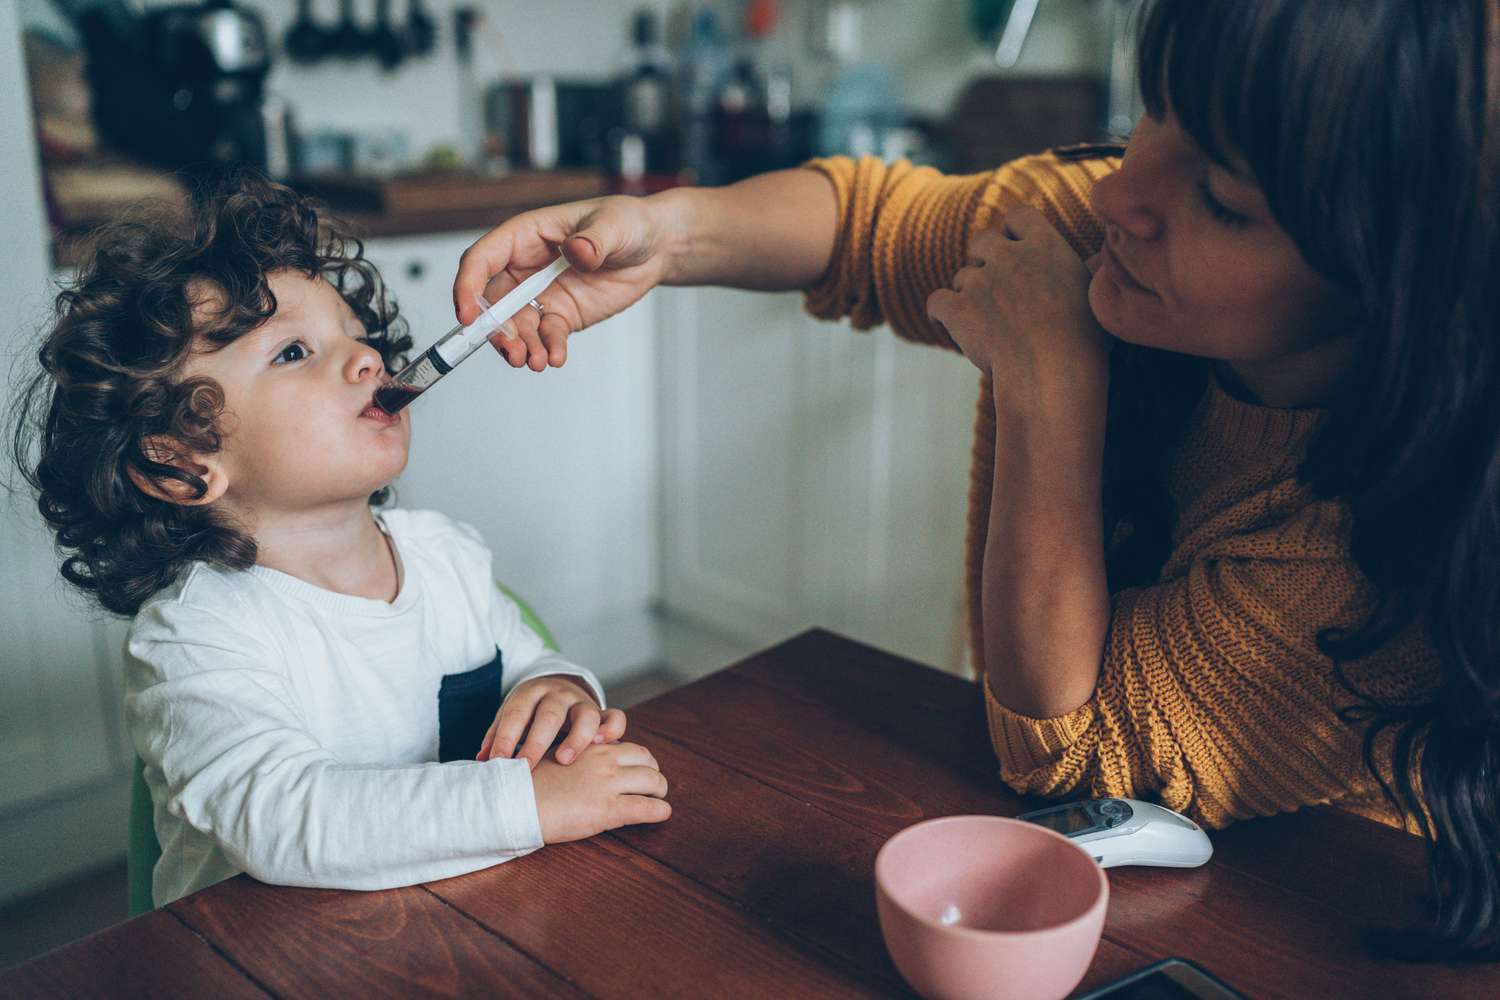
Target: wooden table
{"x": 788, "y": 772}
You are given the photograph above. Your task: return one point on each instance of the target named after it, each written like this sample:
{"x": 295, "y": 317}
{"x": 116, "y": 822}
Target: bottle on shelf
{"x": 646, "y": 112}
{"x": 701, "y": 69}
{"x": 753, "y": 106}
{"x": 862, "y": 110}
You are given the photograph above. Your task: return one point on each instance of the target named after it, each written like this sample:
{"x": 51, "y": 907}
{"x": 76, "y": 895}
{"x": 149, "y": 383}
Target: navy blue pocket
{"x": 467, "y": 704}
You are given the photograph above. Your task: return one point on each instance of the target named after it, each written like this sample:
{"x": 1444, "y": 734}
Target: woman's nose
{"x": 1119, "y": 202}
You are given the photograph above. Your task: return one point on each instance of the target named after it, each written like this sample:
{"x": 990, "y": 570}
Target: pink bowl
{"x": 983, "y": 906}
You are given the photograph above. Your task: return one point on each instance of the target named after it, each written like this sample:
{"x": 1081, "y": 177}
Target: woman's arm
{"x": 770, "y": 232}
{"x": 774, "y": 232}
{"x": 1019, "y": 310}
{"x": 864, "y": 239}
{"x": 1044, "y": 595}
{"x": 1214, "y": 697}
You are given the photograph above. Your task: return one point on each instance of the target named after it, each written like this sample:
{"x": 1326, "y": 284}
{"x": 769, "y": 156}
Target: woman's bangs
{"x": 1215, "y": 66}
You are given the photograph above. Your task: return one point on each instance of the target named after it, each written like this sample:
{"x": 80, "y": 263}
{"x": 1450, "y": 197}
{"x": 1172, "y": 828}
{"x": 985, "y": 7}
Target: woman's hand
{"x": 615, "y": 245}
{"x": 543, "y": 707}
{"x": 1020, "y": 310}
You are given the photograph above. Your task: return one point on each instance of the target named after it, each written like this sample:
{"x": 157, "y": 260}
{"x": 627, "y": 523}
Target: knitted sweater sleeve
{"x": 903, "y": 230}
{"x": 1213, "y": 697}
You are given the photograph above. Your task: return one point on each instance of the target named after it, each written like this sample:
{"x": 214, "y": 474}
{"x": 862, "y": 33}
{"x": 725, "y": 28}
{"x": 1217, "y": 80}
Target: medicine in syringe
{"x": 462, "y": 341}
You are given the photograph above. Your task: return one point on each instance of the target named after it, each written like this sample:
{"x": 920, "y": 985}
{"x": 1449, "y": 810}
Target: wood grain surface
{"x": 788, "y": 772}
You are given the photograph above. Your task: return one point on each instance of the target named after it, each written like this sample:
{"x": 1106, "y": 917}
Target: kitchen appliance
{"x": 180, "y": 86}
{"x": 540, "y": 122}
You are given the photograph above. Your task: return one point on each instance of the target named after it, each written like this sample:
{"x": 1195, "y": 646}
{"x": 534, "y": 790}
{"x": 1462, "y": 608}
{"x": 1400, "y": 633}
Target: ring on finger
{"x": 541, "y": 310}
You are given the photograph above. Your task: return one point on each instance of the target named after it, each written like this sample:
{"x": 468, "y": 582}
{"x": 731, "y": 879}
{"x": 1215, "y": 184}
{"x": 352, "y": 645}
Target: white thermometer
{"x": 1128, "y": 832}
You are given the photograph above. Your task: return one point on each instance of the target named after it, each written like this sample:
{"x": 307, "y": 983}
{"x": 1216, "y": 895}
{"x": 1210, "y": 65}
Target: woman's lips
{"x": 1110, "y": 265}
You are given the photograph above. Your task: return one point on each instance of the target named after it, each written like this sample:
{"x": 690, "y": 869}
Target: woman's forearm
{"x": 1044, "y": 596}
{"x": 772, "y": 232}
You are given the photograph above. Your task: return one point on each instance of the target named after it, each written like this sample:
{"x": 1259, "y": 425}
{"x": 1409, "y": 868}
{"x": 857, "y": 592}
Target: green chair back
{"x": 143, "y": 851}
{"x": 530, "y": 618}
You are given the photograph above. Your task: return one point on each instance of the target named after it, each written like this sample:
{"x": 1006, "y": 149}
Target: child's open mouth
{"x": 375, "y": 413}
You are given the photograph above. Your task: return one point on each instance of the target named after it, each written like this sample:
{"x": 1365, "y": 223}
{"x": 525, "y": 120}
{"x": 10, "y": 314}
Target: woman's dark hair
{"x": 112, "y": 376}
{"x": 1371, "y": 127}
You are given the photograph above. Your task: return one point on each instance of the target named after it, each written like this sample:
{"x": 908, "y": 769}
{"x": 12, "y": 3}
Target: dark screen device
{"x": 1169, "y": 979}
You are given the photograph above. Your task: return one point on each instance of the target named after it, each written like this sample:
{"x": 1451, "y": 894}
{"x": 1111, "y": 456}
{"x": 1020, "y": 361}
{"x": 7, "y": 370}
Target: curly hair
{"x": 112, "y": 369}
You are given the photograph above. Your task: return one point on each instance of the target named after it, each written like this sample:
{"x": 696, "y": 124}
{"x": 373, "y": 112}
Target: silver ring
{"x": 541, "y": 310}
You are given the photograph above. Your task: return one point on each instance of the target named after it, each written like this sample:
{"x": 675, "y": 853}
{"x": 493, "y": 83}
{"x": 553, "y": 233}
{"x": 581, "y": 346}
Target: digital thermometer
{"x": 1128, "y": 832}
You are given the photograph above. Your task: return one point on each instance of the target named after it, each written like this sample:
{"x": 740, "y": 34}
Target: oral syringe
{"x": 462, "y": 341}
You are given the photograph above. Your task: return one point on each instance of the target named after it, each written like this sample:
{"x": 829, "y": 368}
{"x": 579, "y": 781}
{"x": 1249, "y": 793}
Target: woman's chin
{"x": 1104, "y": 303}
{"x": 1112, "y": 312}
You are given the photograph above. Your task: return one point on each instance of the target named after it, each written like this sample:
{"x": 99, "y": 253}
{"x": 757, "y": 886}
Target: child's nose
{"x": 365, "y": 362}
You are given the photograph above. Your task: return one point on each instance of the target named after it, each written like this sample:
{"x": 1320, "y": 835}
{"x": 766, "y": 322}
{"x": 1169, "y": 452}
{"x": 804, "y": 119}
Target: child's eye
{"x": 1218, "y": 209}
{"x": 295, "y": 351}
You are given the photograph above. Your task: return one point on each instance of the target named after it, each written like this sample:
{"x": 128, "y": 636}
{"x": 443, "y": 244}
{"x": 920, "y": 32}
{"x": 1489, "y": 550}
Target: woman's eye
{"x": 295, "y": 351}
{"x": 1218, "y": 209}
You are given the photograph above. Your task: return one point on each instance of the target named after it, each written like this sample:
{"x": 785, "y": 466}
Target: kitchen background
{"x": 710, "y": 473}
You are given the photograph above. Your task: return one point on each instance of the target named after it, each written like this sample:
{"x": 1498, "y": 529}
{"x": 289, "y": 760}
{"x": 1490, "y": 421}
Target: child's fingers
{"x": 642, "y": 781}
{"x": 545, "y": 725}
{"x": 583, "y": 722}
{"x": 511, "y": 723}
{"x": 488, "y": 741}
{"x": 633, "y": 755}
{"x": 642, "y": 809}
{"x": 611, "y": 727}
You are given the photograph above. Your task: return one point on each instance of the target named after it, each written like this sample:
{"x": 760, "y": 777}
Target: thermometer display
{"x": 1128, "y": 832}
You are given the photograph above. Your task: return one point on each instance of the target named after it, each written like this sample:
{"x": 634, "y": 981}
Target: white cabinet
{"x": 812, "y": 475}
{"x": 62, "y": 760}
{"x": 557, "y": 469}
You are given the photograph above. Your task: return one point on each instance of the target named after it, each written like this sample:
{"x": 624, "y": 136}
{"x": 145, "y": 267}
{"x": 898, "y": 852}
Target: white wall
{"x": 62, "y": 791}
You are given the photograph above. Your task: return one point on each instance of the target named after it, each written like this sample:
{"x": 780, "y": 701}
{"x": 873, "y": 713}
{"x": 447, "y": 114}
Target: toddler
{"x": 322, "y": 694}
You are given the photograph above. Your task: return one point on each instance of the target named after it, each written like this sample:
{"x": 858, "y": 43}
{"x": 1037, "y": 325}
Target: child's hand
{"x": 543, "y": 707}
{"x": 611, "y": 785}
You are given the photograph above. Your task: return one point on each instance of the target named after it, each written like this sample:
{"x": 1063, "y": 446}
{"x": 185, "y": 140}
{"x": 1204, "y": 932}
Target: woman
{"x": 1236, "y": 499}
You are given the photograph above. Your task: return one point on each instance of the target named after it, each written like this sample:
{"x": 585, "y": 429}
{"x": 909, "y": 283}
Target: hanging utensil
{"x": 306, "y": 41}
{"x": 348, "y": 40}
{"x": 387, "y": 44}
{"x": 421, "y": 30}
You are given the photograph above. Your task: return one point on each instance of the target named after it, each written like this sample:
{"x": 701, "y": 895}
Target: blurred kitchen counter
{"x": 446, "y": 201}
{"x": 85, "y": 197}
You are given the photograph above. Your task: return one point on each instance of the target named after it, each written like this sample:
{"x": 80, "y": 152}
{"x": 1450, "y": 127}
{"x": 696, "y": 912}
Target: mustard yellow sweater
{"x": 1213, "y": 697}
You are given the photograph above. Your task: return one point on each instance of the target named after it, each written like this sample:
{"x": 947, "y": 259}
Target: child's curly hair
{"x": 111, "y": 377}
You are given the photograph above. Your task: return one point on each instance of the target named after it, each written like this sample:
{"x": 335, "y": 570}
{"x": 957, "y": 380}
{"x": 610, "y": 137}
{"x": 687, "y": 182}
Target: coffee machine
{"x": 179, "y": 86}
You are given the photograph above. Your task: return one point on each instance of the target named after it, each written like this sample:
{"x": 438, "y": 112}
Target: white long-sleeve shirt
{"x": 292, "y": 732}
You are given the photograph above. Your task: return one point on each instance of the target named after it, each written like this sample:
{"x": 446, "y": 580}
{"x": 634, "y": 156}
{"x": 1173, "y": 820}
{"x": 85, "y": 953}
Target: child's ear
{"x": 169, "y": 451}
